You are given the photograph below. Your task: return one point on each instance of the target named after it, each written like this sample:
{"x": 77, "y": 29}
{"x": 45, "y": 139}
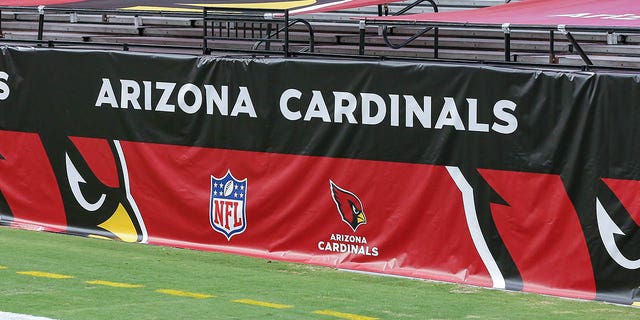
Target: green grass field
{"x": 66, "y": 277}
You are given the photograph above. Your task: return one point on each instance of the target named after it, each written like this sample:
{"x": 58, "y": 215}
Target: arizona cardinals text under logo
{"x": 349, "y": 206}
{"x": 227, "y": 206}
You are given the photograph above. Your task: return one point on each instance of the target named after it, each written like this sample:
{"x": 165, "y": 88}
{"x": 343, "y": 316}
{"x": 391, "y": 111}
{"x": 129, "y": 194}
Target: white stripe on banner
{"x": 134, "y": 206}
{"x": 17, "y": 316}
{"x": 474, "y": 227}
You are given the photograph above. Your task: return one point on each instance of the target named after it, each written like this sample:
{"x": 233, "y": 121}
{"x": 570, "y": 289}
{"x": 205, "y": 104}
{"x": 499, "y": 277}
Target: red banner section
{"x": 414, "y": 221}
{"x": 539, "y": 206}
{"x": 29, "y": 184}
{"x": 292, "y": 213}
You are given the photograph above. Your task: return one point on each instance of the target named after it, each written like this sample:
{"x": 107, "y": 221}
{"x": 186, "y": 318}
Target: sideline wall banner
{"x": 517, "y": 179}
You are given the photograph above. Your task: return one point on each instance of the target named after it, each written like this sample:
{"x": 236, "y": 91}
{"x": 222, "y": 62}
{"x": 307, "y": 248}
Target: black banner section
{"x": 437, "y": 114}
{"x": 567, "y": 140}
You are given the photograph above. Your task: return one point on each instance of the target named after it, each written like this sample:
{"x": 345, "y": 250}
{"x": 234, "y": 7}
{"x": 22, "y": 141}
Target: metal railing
{"x": 263, "y": 27}
{"x": 257, "y": 27}
{"x": 267, "y": 32}
{"x": 506, "y": 29}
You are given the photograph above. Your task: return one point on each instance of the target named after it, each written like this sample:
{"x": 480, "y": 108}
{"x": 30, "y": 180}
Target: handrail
{"x": 306, "y": 23}
{"x": 417, "y": 34}
{"x": 250, "y": 14}
{"x": 506, "y": 29}
{"x": 385, "y": 36}
{"x": 385, "y": 32}
{"x": 529, "y": 27}
{"x": 414, "y": 4}
{"x": 268, "y": 16}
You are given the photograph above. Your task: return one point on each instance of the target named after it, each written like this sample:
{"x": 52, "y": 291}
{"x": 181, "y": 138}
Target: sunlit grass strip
{"x": 114, "y": 284}
{"x": 263, "y": 304}
{"x": 185, "y": 294}
{"x": 342, "y": 315}
{"x": 44, "y": 274}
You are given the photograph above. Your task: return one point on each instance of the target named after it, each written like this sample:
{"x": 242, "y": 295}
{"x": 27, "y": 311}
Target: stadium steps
{"x": 575, "y": 60}
{"x": 110, "y": 19}
{"x": 477, "y": 55}
{"x": 163, "y": 30}
{"x": 451, "y": 48}
{"x": 447, "y": 54}
{"x": 75, "y": 28}
{"x": 61, "y": 36}
{"x": 455, "y": 42}
{"x": 177, "y": 36}
{"x": 332, "y": 36}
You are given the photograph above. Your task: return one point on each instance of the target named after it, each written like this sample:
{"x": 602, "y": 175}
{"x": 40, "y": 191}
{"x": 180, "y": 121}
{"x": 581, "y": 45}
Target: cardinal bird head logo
{"x": 349, "y": 206}
{"x": 95, "y": 208}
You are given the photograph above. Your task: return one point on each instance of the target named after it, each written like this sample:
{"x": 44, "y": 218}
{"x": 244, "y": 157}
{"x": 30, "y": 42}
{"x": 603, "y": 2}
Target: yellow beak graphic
{"x": 120, "y": 224}
{"x": 360, "y": 217}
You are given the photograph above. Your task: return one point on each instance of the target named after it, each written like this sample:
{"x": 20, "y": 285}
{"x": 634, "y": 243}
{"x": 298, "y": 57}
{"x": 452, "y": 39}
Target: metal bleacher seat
{"x": 334, "y": 33}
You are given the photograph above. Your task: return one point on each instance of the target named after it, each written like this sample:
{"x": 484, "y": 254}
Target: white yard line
{"x": 17, "y": 316}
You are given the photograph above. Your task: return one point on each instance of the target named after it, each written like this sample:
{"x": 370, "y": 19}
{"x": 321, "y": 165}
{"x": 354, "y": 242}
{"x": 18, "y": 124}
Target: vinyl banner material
{"x": 517, "y": 179}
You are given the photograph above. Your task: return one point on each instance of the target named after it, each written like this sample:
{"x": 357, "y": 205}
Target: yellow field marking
{"x": 44, "y": 274}
{"x": 3, "y": 267}
{"x": 636, "y": 304}
{"x": 114, "y": 284}
{"x": 263, "y": 304}
{"x": 185, "y": 294}
{"x": 95, "y": 236}
{"x": 341, "y": 315}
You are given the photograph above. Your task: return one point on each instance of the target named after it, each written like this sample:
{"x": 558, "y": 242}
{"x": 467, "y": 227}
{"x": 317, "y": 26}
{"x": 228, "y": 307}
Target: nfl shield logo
{"x": 227, "y": 205}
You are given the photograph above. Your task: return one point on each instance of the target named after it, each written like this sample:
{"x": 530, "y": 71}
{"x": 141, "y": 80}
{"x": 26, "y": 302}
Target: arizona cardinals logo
{"x": 349, "y": 206}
